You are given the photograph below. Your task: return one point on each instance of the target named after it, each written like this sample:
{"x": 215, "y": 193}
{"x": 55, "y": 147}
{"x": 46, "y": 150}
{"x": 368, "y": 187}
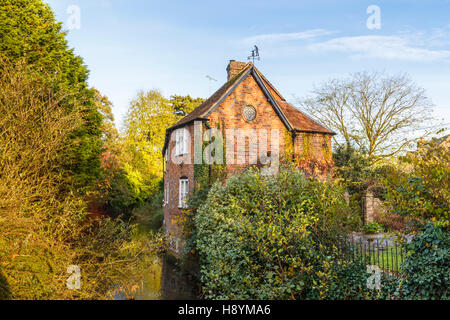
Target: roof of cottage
{"x": 300, "y": 121}
{"x": 293, "y": 118}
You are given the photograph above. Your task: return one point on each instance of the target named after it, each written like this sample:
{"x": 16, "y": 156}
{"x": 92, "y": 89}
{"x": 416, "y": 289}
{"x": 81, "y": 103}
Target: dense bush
{"x": 150, "y": 214}
{"x": 273, "y": 237}
{"x": 264, "y": 237}
{"x": 427, "y": 265}
{"x": 353, "y": 169}
{"x": 422, "y": 192}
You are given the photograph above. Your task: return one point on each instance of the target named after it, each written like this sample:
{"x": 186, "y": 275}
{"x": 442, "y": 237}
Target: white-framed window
{"x": 182, "y": 141}
{"x": 166, "y": 158}
{"x": 166, "y": 195}
{"x": 183, "y": 192}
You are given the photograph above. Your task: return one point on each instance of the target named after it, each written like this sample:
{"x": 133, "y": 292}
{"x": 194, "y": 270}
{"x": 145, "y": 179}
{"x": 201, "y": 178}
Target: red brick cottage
{"x": 246, "y": 108}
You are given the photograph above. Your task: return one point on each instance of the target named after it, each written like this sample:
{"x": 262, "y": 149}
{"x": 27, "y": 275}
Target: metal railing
{"x": 387, "y": 254}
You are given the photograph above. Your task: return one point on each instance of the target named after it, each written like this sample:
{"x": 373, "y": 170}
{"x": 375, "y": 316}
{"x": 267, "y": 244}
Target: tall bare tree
{"x": 379, "y": 113}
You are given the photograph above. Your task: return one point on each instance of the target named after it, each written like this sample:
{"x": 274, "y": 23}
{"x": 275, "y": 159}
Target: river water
{"x": 166, "y": 281}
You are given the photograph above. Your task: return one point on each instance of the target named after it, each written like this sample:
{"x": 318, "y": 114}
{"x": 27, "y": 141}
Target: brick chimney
{"x": 234, "y": 67}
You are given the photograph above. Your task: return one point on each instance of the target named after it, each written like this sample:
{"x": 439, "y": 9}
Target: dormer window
{"x": 182, "y": 141}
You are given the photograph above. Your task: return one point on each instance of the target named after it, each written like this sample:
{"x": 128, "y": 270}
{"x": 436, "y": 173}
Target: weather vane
{"x": 255, "y": 55}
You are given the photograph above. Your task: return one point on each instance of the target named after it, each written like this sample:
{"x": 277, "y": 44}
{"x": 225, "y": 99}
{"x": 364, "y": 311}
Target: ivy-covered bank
{"x": 271, "y": 237}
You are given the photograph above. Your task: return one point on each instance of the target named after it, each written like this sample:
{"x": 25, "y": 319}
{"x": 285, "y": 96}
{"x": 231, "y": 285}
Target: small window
{"x": 183, "y": 193}
{"x": 182, "y": 141}
{"x": 166, "y": 195}
{"x": 166, "y": 158}
{"x": 249, "y": 113}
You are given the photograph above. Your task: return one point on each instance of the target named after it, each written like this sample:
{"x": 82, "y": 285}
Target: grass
{"x": 388, "y": 258}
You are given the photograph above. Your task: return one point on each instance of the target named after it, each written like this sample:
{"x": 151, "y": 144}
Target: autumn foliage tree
{"x": 421, "y": 191}
{"x": 148, "y": 117}
{"x": 146, "y": 121}
{"x": 43, "y": 226}
{"x": 136, "y": 187}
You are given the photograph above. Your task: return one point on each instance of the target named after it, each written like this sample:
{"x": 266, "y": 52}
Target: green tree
{"x": 184, "y": 105}
{"x": 359, "y": 173}
{"x": 352, "y": 167}
{"x": 421, "y": 191}
{"x": 29, "y": 31}
{"x": 148, "y": 117}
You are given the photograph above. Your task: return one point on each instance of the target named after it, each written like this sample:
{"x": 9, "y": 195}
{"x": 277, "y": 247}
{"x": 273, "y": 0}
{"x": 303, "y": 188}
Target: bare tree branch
{"x": 379, "y": 113}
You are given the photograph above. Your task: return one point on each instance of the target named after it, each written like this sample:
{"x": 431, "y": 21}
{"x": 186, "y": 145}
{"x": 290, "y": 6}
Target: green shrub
{"x": 372, "y": 228}
{"x": 422, "y": 193}
{"x": 427, "y": 265}
{"x": 262, "y": 237}
{"x": 150, "y": 214}
{"x": 349, "y": 282}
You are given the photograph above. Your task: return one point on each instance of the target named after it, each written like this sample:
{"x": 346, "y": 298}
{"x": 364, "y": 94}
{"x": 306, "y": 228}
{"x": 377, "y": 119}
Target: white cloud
{"x": 409, "y": 45}
{"x": 384, "y": 47}
{"x": 276, "y": 37}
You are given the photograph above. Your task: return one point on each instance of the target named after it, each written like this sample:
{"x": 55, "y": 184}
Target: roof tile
{"x": 300, "y": 121}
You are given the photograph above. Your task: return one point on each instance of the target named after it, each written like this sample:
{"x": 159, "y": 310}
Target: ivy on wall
{"x": 326, "y": 148}
{"x": 206, "y": 174}
{"x": 204, "y": 177}
{"x": 307, "y": 147}
{"x": 288, "y": 143}
{"x": 309, "y": 160}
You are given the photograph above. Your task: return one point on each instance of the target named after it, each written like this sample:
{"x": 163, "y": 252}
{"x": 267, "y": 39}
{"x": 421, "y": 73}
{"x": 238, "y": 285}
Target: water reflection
{"x": 165, "y": 281}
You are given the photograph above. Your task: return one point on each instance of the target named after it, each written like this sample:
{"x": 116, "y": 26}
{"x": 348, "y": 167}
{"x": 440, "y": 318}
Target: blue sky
{"x": 131, "y": 45}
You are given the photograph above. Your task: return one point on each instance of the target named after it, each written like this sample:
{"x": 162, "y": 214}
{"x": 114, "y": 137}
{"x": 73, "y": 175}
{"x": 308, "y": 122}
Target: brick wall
{"x": 230, "y": 115}
{"x": 172, "y": 174}
{"x": 317, "y": 152}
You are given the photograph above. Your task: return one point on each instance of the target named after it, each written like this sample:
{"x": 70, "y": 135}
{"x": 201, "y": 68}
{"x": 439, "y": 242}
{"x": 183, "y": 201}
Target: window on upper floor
{"x": 182, "y": 141}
